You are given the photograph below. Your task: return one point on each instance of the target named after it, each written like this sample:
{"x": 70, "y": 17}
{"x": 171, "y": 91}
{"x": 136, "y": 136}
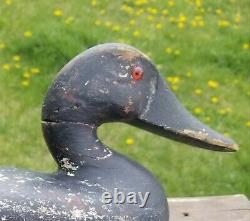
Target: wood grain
{"x": 216, "y": 208}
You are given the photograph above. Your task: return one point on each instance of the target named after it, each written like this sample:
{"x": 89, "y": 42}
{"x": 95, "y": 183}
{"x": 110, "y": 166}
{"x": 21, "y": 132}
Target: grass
{"x": 216, "y": 50}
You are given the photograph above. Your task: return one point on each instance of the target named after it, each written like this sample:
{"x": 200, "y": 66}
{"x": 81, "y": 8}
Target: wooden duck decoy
{"x": 107, "y": 83}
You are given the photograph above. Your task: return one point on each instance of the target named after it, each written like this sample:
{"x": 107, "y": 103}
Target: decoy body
{"x": 107, "y": 83}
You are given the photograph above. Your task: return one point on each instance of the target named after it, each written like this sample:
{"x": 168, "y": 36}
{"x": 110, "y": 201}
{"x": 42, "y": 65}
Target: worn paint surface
{"x": 94, "y": 88}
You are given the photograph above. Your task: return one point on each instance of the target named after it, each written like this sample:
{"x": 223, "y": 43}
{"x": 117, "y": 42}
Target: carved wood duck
{"x": 106, "y": 83}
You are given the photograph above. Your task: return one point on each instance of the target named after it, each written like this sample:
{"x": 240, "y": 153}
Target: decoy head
{"x": 116, "y": 82}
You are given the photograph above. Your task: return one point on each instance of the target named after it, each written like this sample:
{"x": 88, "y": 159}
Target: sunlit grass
{"x": 195, "y": 44}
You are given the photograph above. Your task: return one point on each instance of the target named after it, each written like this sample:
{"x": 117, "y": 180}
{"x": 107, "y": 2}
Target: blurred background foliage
{"x": 202, "y": 49}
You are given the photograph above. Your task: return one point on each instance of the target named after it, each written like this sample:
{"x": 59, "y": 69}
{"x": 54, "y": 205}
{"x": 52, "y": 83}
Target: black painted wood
{"x": 107, "y": 83}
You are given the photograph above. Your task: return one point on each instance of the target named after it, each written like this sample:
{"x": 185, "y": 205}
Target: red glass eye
{"x": 137, "y": 73}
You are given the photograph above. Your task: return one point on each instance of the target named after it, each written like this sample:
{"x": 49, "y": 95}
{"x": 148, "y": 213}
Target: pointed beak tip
{"x": 233, "y": 147}
{"x": 225, "y": 147}
{"x": 210, "y": 141}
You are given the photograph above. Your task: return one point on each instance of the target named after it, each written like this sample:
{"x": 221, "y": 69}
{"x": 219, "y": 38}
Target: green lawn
{"x": 202, "y": 48}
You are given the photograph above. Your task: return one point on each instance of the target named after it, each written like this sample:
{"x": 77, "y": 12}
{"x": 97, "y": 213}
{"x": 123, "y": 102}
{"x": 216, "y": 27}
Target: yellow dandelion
{"x": 127, "y": 9}
{"x": 165, "y": 12}
{"x": 197, "y": 21}
{"x": 168, "y": 50}
{"x": 172, "y": 19}
{"x": 180, "y": 25}
{"x": 153, "y": 11}
{"x": 116, "y": 28}
{"x": 132, "y": 22}
{"x": 97, "y": 22}
{"x": 69, "y": 20}
{"x": 2, "y": 45}
{"x": 224, "y": 111}
{"x": 25, "y": 83}
{"x": 169, "y": 79}
{"x": 198, "y": 3}
{"x": 177, "y": 52}
{"x": 26, "y": 75}
{"x": 248, "y": 123}
{"x": 194, "y": 23}
{"x": 198, "y": 110}
{"x": 103, "y": 12}
{"x": 171, "y": 3}
{"x": 245, "y": 46}
{"x": 198, "y": 91}
{"x": 16, "y": 58}
{"x": 174, "y": 87}
{"x": 223, "y": 23}
{"x": 150, "y": 18}
{"x": 213, "y": 84}
{"x": 6, "y": 67}
{"x": 93, "y": 3}
{"x": 141, "y": 2}
{"x": 58, "y": 12}
{"x": 35, "y": 70}
{"x": 182, "y": 18}
{"x": 27, "y": 34}
{"x": 107, "y": 23}
{"x": 8, "y": 2}
{"x": 136, "y": 33}
{"x": 214, "y": 100}
{"x": 159, "y": 26}
{"x": 201, "y": 23}
{"x": 173, "y": 79}
{"x": 218, "y": 11}
{"x": 130, "y": 141}
{"x": 139, "y": 12}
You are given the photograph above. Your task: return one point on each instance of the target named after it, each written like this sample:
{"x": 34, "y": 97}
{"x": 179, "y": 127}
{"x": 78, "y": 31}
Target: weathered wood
{"x": 218, "y": 208}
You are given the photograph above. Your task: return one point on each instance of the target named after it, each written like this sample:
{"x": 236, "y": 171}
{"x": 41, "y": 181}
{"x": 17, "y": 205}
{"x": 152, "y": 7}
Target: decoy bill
{"x": 107, "y": 83}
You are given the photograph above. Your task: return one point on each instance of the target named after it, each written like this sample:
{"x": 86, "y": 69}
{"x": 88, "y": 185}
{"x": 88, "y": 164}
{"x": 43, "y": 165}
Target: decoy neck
{"x": 115, "y": 82}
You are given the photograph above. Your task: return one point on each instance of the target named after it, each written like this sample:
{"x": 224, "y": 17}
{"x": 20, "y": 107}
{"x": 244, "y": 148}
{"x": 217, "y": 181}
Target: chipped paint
{"x": 150, "y": 97}
{"x": 204, "y": 136}
{"x": 69, "y": 166}
{"x": 109, "y": 154}
{"x": 104, "y": 90}
{"x": 126, "y": 55}
{"x": 3, "y": 178}
{"x": 123, "y": 75}
{"x": 86, "y": 83}
{"x": 201, "y": 135}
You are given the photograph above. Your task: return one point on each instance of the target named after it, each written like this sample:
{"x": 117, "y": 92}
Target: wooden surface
{"x": 218, "y": 208}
